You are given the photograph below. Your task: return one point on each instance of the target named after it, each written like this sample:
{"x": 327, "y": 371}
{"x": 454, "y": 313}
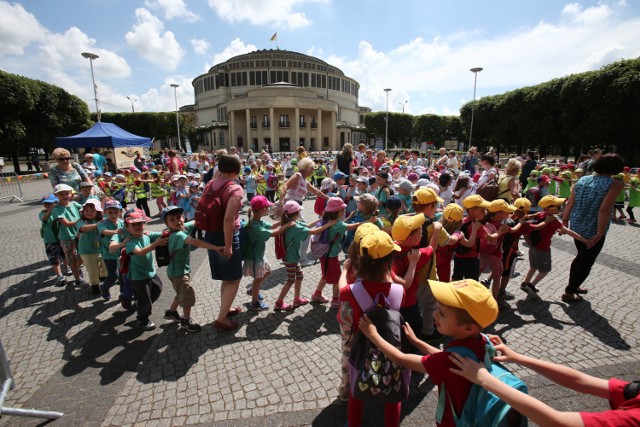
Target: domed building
{"x": 277, "y": 100}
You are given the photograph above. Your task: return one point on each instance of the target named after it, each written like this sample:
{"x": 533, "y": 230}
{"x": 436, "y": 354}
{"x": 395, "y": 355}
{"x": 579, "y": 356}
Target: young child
{"x": 540, "y": 251}
{"x": 466, "y": 261}
{"x": 622, "y": 395}
{"x": 49, "y": 233}
{"x": 193, "y": 197}
{"x": 329, "y": 263}
{"x": 249, "y": 182}
{"x": 618, "y": 205}
{"x": 451, "y": 222}
{"x": 340, "y": 179}
{"x": 537, "y": 192}
{"x": 367, "y": 207}
{"x": 394, "y": 206}
{"x": 179, "y": 267}
{"x": 532, "y": 180}
{"x": 564, "y": 186}
{"x": 464, "y": 309}
{"x": 634, "y": 198}
{"x": 145, "y": 283}
{"x": 67, "y": 213}
{"x": 86, "y": 193}
{"x": 446, "y": 190}
{"x": 140, "y": 192}
{"x": 272, "y": 181}
{"x": 382, "y": 193}
{"x": 119, "y": 189}
{"x": 328, "y": 187}
{"x": 405, "y": 190}
{"x": 158, "y": 190}
{"x": 377, "y": 252}
{"x": 350, "y": 194}
{"x": 89, "y": 242}
{"x": 255, "y": 263}
{"x": 293, "y": 237}
{"x": 107, "y": 228}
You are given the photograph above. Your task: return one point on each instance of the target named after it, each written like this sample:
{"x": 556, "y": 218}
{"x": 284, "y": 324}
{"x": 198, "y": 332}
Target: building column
{"x": 334, "y": 132}
{"x": 296, "y": 131}
{"x": 232, "y": 131}
{"x": 319, "y": 130}
{"x": 249, "y": 141}
{"x": 272, "y": 132}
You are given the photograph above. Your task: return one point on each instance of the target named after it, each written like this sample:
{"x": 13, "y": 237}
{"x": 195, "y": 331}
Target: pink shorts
{"x": 330, "y": 269}
{"x": 493, "y": 263}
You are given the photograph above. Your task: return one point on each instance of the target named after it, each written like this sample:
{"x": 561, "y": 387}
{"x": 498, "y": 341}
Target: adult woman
{"x": 301, "y": 152}
{"x": 344, "y": 160}
{"x": 193, "y": 164}
{"x": 203, "y": 164}
{"x": 227, "y": 266}
{"x": 367, "y": 161}
{"x": 487, "y": 162}
{"x": 67, "y": 172}
{"x": 588, "y": 213}
{"x": 88, "y": 165}
{"x": 508, "y": 183}
{"x": 296, "y": 188}
{"x": 443, "y": 159}
{"x": 528, "y": 166}
{"x": 381, "y": 158}
{"x": 452, "y": 162}
{"x": 174, "y": 166}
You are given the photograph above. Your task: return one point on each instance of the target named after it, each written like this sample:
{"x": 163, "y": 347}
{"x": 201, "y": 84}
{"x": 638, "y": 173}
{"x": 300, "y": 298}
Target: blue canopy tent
{"x": 103, "y": 135}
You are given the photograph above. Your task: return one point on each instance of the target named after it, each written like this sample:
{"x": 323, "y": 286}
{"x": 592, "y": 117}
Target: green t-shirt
{"x": 180, "y": 263}
{"x": 258, "y": 233}
{"x": 72, "y": 214}
{"x": 564, "y": 188}
{"x": 381, "y": 195}
{"x": 117, "y": 238}
{"x": 106, "y": 240}
{"x": 88, "y": 241}
{"x": 338, "y": 228}
{"x": 634, "y": 197}
{"x": 621, "y": 196}
{"x": 142, "y": 267}
{"x": 293, "y": 237}
{"x": 48, "y": 233}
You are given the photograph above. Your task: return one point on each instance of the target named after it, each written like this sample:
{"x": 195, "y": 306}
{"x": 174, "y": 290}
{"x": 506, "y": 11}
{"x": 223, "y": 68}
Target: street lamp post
{"x": 91, "y": 56}
{"x": 403, "y": 104}
{"x": 386, "y": 122}
{"x": 475, "y": 72}
{"x": 175, "y": 95}
{"x": 132, "y": 101}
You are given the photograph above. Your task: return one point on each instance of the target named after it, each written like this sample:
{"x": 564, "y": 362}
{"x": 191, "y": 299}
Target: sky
{"x": 421, "y": 49}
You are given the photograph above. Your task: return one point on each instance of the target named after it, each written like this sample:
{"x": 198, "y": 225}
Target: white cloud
{"x": 173, "y": 9}
{"x": 200, "y": 46}
{"x": 235, "y": 48}
{"x": 148, "y": 38}
{"x": 589, "y": 16}
{"x": 282, "y": 13}
{"x": 162, "y": 98}
{"x": 18, "y": 29}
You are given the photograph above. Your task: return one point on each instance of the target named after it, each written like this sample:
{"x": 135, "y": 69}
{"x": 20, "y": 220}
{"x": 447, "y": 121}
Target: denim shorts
{"x": 223, "y": 268}
{"x": 54, "y": 252}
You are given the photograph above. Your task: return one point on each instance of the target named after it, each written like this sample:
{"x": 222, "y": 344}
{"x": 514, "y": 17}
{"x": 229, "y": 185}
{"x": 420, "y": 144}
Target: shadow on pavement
{"x": 24, "y": 270}
{"x": 584, "y": 316}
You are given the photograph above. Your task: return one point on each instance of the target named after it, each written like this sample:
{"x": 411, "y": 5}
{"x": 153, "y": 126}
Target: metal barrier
{"x": 8, "y": 384}
{"x": 10, "y": 187}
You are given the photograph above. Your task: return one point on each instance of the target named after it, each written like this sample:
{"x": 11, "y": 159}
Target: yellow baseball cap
{"x": 547, "y": 201}
{"x": 522, "y": 204}
{"x": 469, "y": 295}
{"x": 453, "y": 212}
{"x": 377, "y": 244}
{"x": 500, "y": 205}
{"x": 474, "y": 201}
{"x": 425, "y": 196}
{"x": 363, "y": 230}
{"x": 405, "y": 224}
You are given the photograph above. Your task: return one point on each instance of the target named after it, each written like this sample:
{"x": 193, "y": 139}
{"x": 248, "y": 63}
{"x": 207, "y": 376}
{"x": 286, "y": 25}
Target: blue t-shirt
{"x": 589, "y": 192}
{"x": 88, "y": 241}
{"x": 293, "y": 237}
{"x": 180, "y": 263}
{"x": 250, "y": 183}
{"x": 258, "y": 233}
{"x": 339, "y": 229}
{"x": 106, "y": 240}
{"x": 142, "y": 267}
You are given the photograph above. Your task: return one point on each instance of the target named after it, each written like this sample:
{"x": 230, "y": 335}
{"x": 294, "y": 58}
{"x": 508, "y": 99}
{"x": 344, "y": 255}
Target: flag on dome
{"x": 274, "y": 37}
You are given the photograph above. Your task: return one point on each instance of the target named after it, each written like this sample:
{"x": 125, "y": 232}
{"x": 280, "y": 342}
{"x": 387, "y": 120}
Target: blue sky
{"x": 422, "y": 50}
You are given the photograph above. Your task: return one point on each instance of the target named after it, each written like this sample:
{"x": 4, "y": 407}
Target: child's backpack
{"x": 243, "y": 236}
{"x": 319, "y": 205}
{"x": 281, "y": 249}
{"x": 163, "y": 256}
{"x": 272, "y": 181}
{"x": 533, "y": 195}
{"x": 320, "y": 244}
{"x": 124, "y": 261}
{"x": 210, "y": 211}
{"x": 374, "y": 377}
{"x": 482, "y": 407}
{"x": 489, "y": 190}
{"x": 533, "y": 238}
{"x": 465, "y": 228}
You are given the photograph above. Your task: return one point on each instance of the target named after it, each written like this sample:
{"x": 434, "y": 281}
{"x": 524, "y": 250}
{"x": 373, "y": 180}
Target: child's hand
{"x": 162, "y": 241}
{"x": 468, "y": 368}
{"x": 347, "y": 264}
{"x": 476, "y": 225}
{"x": 373, "y": 219}
{"x": 413, "y": 255}
{"x": 367, "y": 328}
{"x": 350, "y": 216}
{"x": 411, "y": 336}
{"x": 506, "y": 353}
{"x": 437, "y": 226}
{"x": 504, "y": 229}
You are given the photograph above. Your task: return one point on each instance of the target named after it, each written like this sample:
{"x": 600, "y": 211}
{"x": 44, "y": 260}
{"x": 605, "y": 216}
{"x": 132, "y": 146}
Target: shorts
{"x": 540, "y": 259}
{"x": 330, "y": 267}
{"x": 508, "y": 260}
{"x": 492, "y": 262}
{"x": 184, "y": 290}
{"x": 294, "y": 272}
{"x": 223, "y": 268}
{"x": 255, "y": 269}
{"x": 54, "y": 252}
{"x": 70, "y": 249}
{"x": 618, "y": 205}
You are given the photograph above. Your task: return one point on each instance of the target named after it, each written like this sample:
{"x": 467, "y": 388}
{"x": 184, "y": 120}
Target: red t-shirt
{"x": 401, "y": 265}
{"x": 372, "y": 288}
{"x": 623, "y": 412}
{"x": 487, "y": 248}
{"x": 437, "y": 367}
{"x": 547, "y": 232}
{"x": 234, "y": 190}
{"x": 481, "y": 234}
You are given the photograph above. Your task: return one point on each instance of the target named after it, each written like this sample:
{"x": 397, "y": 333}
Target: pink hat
{"x": 95, "y": 202}
{"x": 292, "y": 207}
{"x": 335, "y": 204}
{"x": 260, "y": 202}
{"x": 476, "y": 177}
{"x": 135, "y": 216}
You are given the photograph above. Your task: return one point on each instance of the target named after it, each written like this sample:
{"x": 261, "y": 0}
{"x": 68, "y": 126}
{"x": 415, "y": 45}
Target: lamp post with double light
{"x": 386, "y": 122}
{"x": 131, "y": 100}
{"x": 175, "y": 95}
{"x": 475, "y": 72}
{"x": 91, "y": 56}
{"x": 402, "y": 104}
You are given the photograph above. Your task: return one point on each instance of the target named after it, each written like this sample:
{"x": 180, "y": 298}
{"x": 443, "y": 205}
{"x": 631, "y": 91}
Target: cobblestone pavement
{"x": 81, "y": 356}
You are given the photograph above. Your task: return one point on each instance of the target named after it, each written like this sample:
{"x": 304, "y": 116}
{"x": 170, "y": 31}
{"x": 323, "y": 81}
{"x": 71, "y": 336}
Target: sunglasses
{"x": 62, "y": 159}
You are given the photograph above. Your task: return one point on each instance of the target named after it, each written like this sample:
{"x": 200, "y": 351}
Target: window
{"x": 284, "y": 121}
{"x": 285, "y": 144}
{"x": 302, "y": 122}
{"x": 222, "y": 138}
{"x": 265, "y": 121}
{"x": 326, "y": 142}
{"x": 313, "y": 122}
{"x": 302, "y": 142}
{"x": 254, "y": 122}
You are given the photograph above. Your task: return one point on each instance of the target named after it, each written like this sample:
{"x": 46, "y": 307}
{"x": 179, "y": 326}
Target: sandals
{"x": 234, "y": 311}
{"x": 223, "y": 326}
{"x": 571, "y": 298}
{"x": 582, "y": 291}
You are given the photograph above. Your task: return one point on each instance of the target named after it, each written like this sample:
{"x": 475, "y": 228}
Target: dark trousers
{"x": 142, "y": 204}
{"x": 146, "y": 293}
{"x": 270, "y": 195}
{"x": 630, "y": 212}
{"x": 582, "y": 263}
{"x": 112, "y": 273}
{"x": 413, "y": 317}
{"x": 466, "y": 268}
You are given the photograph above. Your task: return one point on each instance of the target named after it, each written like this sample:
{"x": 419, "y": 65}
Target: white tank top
{"x": 299, "y": 192}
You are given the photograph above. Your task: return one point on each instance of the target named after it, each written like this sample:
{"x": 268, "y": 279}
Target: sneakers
{"x": 297, "y": 302}
{"x": 529, "y": 288}
{"x": 506, "y": 296}
{"x": 189, "y": 325}
{"x": 260, "y": 296}
{"x": 335, "y": 302}
{"x": 145, "y": 325}
{"x": 81, "y": 283}
{"x": 282, "y": 306}
{"x": 258, "y": 306}
{"x": 318, "y": 297}
{"x": 68, "y": 271}
{"x": 94, "y": 290}
{"x": 173, "y": 315}
{"x": 104, "y": 292}
{"x": 486, "y": 282}
{"x": 60, "y": 281}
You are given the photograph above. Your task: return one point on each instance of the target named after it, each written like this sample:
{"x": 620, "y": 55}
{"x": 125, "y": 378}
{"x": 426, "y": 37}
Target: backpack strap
{"x": 361, "y": 295}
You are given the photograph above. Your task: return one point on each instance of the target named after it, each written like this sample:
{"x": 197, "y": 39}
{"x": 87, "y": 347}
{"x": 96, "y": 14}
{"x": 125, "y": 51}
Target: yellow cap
{"x": 474, "y": 201}
{"x": 522, "y": 204}
{"x": 425, "y": 196}
{"x": 363, "y": 230}
{"x": 405, "y": 224}
{"x": 500, "y": 205}
{"x": 547, "y": 201}
{"x": 453, "y": 212}
{"x": 377, "y": 244}
{"x": 469, "y": 295}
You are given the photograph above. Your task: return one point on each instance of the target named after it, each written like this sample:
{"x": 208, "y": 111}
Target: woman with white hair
{"x": 88, "y": 165}
{"x": 67, "y": 171}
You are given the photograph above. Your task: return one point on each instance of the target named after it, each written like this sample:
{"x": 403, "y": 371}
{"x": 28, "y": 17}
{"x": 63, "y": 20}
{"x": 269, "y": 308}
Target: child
{"x": 329, "y": 264}
{"x": 532, "y": 180}
{"x": 179, "y": 267}
{"x": 293, "y": 237}
{"x": 249, "y": 182}
{"x": 255, "y": 263}
{"x": 446, "y": 192}
{"x": 382, "y": 193}
{"x": 272, "y": 183}
{"x": 108, "y": 228}
{"x": 619, "y": 202}
{"x": 86, "y": 193}
{"x": 405, "y": 188}
{"x": 67, "y": 213}
{"x": 466, "y": 262}
{"x": 540, "y": 251}
{"x": 49, "y": 233}
{"x": 118, "y": 190}
{"x": 158, "y": 190}
{"x": 377, "y": 252}
{"x": 350, "y": 195}
{"x": 320, "y": 172}
{"x": 464, "y": 309}
{"x": 328, "y": 187}
{"x": 564, "y": 186}
{"x": 451, "y": 221}
{"x": 193, "y": 196}
{"x": 367, "y": 207}
{"x": 146, "y": 284}
{"x": 89, "y": 242}
{"x": 622, "y": 395}
{"x": 634, "y": 198}
{"x": 394, "y": 205}
{"x": 140, "y": 192}
{"x": 537, "y": 192}
{"x": 340, "y": 179}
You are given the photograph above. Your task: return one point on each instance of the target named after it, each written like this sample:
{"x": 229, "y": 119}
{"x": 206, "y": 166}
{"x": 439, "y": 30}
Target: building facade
{"x": 277, "y": 100}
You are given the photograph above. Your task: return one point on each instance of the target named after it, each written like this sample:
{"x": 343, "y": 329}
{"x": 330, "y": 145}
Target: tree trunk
{"x": 16, "y": 160}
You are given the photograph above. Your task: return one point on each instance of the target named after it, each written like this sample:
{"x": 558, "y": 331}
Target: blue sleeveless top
{"x": 589, "y": 193}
